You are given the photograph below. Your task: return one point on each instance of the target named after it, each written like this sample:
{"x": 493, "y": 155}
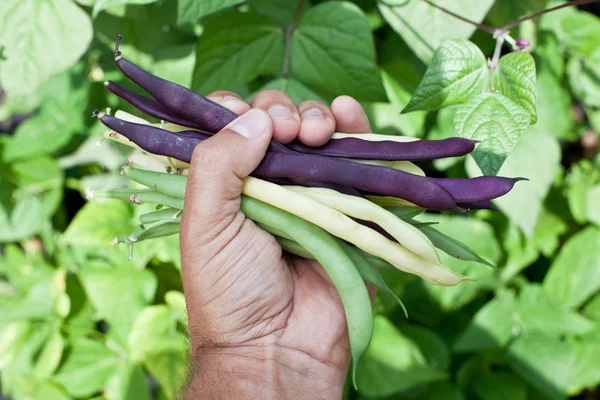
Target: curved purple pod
{"x": 155, "y": 140}
{"x": 377, "y": 179}
{"x": 478, "y": 205}
{"x": 381, "y": 180}
{"x": 389, "y": 150}
{"x": 206, "y": 114}
{"x": 148, "y": 105}
{"x": 477, "y": 189}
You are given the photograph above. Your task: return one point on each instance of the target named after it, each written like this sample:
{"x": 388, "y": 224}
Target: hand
{"x": 263, "y": 324}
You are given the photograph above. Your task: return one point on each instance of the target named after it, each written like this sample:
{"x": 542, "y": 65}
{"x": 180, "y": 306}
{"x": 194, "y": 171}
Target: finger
{"x": 317, "y": 123}
{"x": 229, "y": 100}
{"x": 349, "y": 116}
{"x": 218, "y": 167}
{"x": 283, "y": 111}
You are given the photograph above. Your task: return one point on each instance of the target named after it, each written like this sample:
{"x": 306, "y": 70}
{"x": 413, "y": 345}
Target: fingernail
{"x": 230, "y": 101}
{"x": 250, "y": 125}
{"x": 313, "y": 113}
{"x": 280, "y": 112}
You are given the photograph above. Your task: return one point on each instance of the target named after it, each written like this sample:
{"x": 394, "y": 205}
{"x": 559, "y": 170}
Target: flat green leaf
{"x": 119, "y": 295}
{"x": 432, "y": 346}
{"x": 25, "y": 220}
{"x": 584, "y": 78}
{"x": 520, "y": 252}
{"x": 41, "y": 40}
{"x": 128, "y": 382}
{"x": 492, "y": 326}
{"x": 515, "y": 79}
{"x": 451, "y": 246}
{"x": 582, "y": 30}
{"x": 536, "y": 157}
{"x": 497, "y": 122}
{"x": 235, "y": 48}
{"x": 193, "y": 10}
{"x": 86, "y": 368}
{"x": 538, "y": 312}
{"x": 98, "y": 222}
{"x": 574, "y": 276}
{"x": 169, "y": 369}
{"x": 581, "y": 178}
{"x": 500, "y": 386}
{"x": 592, "y": 210}
{"x": 548, "y": 230}
{"x": 12, "y": 337}
{"x": 425, "y": 28}
{"x": 155, "y": 331}
{"x": 477, "y": 235}
{"x": 392, "y": 363}
{"x": 544, "y": 362}
{"x": 507, "y": 11}
{"x": 101, "y": 5}
{"x": 333, "y": 52}
{"x": 586, "y": 373}
{"x": 592, "y": 308}
{"x": 553, "y": 106}
{"x": 282, "y": 11}
{"x": 458, "y": 71}
{"x": 443, "y": 391}
{"x": 50, "y": 356}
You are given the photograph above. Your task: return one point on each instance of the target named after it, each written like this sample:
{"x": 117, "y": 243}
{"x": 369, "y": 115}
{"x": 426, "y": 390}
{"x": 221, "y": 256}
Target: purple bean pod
{"x": 477, "y": 189}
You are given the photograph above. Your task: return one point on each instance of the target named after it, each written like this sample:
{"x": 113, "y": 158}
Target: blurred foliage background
{"x": 78, "y": 320}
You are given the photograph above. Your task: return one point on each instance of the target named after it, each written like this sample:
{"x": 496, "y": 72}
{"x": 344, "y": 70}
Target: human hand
{"x": 263, "y": 324}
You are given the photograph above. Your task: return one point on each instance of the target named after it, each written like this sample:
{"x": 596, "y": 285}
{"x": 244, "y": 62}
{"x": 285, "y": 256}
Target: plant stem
{"x": 537, "y": 14}
{"x": 289, "y": 32}
{"x": 483, "y": 27}
{"x": 496, "y": 57}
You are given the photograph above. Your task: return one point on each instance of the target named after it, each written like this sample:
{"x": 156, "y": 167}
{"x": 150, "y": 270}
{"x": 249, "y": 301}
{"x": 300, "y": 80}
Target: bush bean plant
{"x": 81, "y": 318}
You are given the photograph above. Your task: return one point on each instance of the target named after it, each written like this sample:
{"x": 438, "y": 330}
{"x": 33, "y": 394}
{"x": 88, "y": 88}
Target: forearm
{"x": 270, "y": 372}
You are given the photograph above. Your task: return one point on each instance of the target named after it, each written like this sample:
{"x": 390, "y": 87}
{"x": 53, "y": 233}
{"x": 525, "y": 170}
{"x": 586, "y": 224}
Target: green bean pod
{"x": 338, "y": 265}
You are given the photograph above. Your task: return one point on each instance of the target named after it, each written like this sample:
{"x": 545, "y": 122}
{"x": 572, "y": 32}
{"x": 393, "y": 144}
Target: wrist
{"x": 265, "y": 372}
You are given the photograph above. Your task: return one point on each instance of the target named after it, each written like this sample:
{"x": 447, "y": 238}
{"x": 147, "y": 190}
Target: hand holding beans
{"x": 260, "y": 322}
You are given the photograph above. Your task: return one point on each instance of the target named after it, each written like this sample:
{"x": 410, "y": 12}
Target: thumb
{"x": 218, "y": 166}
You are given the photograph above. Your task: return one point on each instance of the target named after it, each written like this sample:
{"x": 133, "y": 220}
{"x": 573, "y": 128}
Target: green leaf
{"x": 538, "y": 312}
{"x": 25, "y": 220}
{"x": 101, "y": 5}
{"x": 520, "y": 252}
{"x": 592, "y": 211}
{"x": 169, "y": 369}
{"x": 282, "y": 11}
{"x": 432, "y": 346}
{"x": 392, "y": 363}
{"x": 98, "y": 222}
{"x": 451, "y": 246}
{"x": 584, "y": 78}
{"x": 43, "y": 178}
{"x": 119, "y": 295}
{"x": 500, "y": 386}
{"x": 592, "y": 308}
{"x": 497, "y": 122}
{"x": 586, "y": 373}
{"x": 443, "y": 391}
{"x": 193, "y": 10}
{"x": 573, "y": 276}
{"x": 553, "y": 106}
{"x": 12, "y": 337}
{"x": 155, "y": 331}
{"x": 425, "y": 28}
{"x": 50, "y": 356}
{"x": 294, "y": 88}
{"x": 86, "y": 368}
{"x": 333, "y": 52}
{"x": 477, "y": 235}
{"x": 544, "y": 362}
{"x": 41, "y": 40}
{"x": 536, "y": 157}
{"x": 580, "y": 180}
{"x": 582, "y": 30}
{"x": 548, "y": 230}
{"x": 492, "y": 326}
{"x": 128, "y": 382}
{"x": 235, "y": 48}
{"x": 515, "y": 79}
{"x": 458, "y": 71}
